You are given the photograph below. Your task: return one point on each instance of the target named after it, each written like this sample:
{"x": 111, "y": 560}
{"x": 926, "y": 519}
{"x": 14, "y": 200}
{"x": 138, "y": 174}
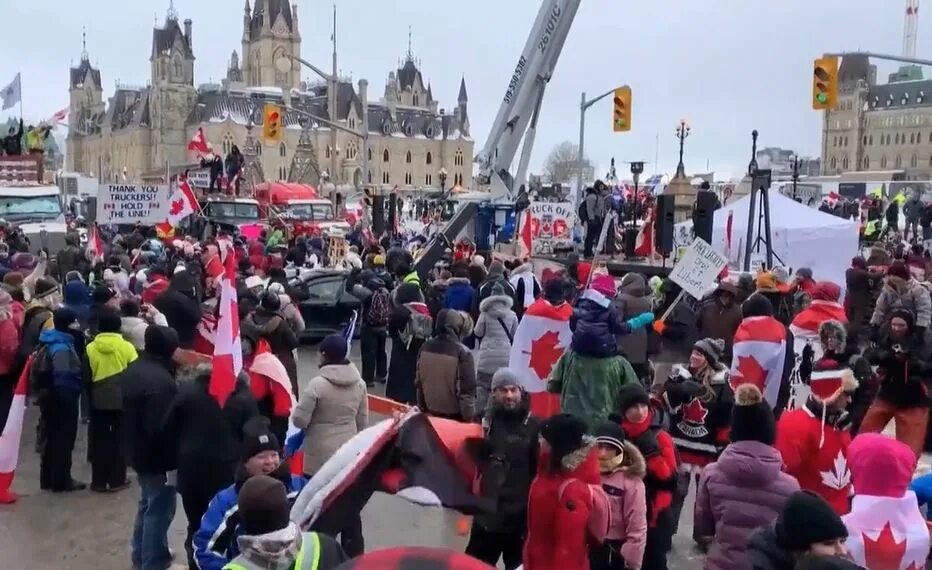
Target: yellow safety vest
{"x": 412, "y": 278}
{"x": 300, "y": 563}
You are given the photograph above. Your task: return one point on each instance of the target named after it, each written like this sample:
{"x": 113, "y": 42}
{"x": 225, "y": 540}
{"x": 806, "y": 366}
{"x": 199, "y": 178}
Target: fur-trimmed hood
{"x": 830, "y": 330}
{"x": 630, "y": 463}
{"x": 458, "y": 281}
{"x": 496, "y": 305}
{"x": 521, "y": 269}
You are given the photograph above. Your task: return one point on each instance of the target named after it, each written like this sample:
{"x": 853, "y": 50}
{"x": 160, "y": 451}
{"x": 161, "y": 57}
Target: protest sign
{"x": 132, "y": 203}
{"x": 697, "y": 270}
{"x": 551, "y": 226}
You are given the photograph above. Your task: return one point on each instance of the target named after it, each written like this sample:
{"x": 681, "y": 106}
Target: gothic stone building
{"x": 875, "y": 127}
{"x": 140, "y": 130}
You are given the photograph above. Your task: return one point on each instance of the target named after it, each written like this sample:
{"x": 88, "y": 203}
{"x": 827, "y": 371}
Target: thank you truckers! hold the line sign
{"x": 132, "y": 203}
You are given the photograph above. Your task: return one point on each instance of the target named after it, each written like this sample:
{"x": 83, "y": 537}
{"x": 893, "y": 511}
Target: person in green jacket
{"x": 589, "y": 387}
{"x": 108, "y": 356}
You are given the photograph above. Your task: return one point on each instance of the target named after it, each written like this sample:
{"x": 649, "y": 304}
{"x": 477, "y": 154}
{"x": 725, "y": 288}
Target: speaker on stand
{"x": 663, "y": 237}
{"x": 704, "y": 214}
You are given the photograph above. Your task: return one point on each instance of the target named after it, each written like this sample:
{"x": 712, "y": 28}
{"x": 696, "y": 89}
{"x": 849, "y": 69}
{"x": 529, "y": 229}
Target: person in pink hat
{"x": 596, "y": 320}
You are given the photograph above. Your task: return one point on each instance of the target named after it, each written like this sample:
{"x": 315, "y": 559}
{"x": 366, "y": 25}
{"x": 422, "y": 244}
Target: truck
{"x": 30, "y": 205}
{"x": 298, "y": 208}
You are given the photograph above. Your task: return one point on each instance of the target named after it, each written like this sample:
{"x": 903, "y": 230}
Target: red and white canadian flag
{"x": 182, "y": 202}
{"x": 199, "y": 143}
{"x": 228, "y": 348}
{"x": 644, "y": 245}
{"x": 59, "y": 117}
{"x": 12, "y": 436}
{"x": 540, "y": 340}
{"x": 824, "y": 307}
{"x": 94, "y": 244}
{"x": 524, "y": 242}
{"x": 759, "y": 354}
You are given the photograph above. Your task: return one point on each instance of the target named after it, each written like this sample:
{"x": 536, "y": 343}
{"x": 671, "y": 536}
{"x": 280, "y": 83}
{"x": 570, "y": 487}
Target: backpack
{"x": 600, "y": 515}
{"x": 582, "y": 213}
{"x": 40, "y": 374}
{"x": 380, "y": 308}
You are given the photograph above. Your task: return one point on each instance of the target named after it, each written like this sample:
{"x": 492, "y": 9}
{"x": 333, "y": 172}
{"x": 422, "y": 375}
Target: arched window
{"x": 283, "y": 150}
{"x": 864, "y": 141}
{"x": 370, "y": 158}
{"x": 846, "y": 142}
{"x": 866, "y": 164}
{"x": 834, "y": 163}
{"x": 408, "y": 157}
{"x": 408, "y": 178}
{"x": 227, "y": 143}
{"x": 914, "y": 161}
{"x": 385, "y": 178}
{"x": 370, "y": 177}
{"x": 351, "y": 151}
{"x": 428, "y": 179}
{"x": 899, "y": 161}
{"x": 844, "y": 162}
{"x": 415, "y": 99}
{"x": 883, "y": 162}
{"x": 385, "y": 155}
{"x": 429, "y": 158}
{"x": 282, "y": 172}
{"x": 259, "y": 148}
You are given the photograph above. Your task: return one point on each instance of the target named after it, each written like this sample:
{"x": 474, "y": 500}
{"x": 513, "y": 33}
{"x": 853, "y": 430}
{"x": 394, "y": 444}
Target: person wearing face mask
{"x": 807, "y": 526}
{"x": 215, "y": 543}
{"x": 57, "y": 375}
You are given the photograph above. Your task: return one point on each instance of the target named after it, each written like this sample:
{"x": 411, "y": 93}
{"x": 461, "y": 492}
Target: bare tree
{"x": 562, "y": 164}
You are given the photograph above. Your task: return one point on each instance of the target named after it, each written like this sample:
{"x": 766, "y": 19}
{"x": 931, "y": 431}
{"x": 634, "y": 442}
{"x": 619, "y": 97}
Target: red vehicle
{"x": 298, "y": 206}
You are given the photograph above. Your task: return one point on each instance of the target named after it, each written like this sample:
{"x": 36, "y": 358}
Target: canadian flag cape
{"x": 542, "y": 336}
{"x": 887, "y": 533}
{"x": 759, "y": 355}
{"x": 805, "y": 326}
{"x": 12, "y": 435}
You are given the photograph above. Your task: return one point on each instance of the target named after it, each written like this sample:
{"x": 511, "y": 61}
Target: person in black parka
{"x": 180, "y": 306}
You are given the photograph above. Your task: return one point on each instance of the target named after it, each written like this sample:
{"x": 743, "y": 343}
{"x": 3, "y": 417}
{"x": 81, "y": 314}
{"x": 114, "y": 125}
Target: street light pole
{"x": 795, "y": 174}
{"x": 682, "y": 131}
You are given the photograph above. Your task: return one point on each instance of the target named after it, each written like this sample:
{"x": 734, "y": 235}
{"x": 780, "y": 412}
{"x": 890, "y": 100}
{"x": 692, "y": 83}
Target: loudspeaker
{"x": 631, "y": 241}
{"x": 663, "y": 236}
{"x": 378, "y": 215}
{"x": 703, "y": 215}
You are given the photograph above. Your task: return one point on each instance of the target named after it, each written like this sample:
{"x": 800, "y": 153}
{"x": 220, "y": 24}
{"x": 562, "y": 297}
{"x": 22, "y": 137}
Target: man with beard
{"x": 507, "y": 460}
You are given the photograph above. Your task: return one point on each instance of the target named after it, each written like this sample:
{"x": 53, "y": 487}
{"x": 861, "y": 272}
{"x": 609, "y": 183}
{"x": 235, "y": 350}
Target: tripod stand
{"x": 760, "y": 192}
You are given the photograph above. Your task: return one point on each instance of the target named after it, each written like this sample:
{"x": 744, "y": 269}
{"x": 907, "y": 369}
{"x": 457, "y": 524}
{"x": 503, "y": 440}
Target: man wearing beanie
{"x": 746, "y": 487}
{"x": 807, "y": 526}
{"x": 507, "y": 462}
{"x": 901, "y": 291}
{"x": 215, "y": 543}
{"x": 269, "y": 540}
{"x": 57, "y": 375}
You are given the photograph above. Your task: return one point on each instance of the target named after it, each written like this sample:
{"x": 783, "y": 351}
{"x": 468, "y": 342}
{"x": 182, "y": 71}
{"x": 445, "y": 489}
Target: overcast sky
{"x": 727, "y": 66}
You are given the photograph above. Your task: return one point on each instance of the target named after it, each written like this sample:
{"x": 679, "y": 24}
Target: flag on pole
{"x": 12, "y": 436}
{"x": 199, "y": 143}
{"x": 59, "y": 117}
{"x": 12, "y": 93}
{"x": 542, "y": 336}
{"x": 182, "y": 202}
{"x": 228, "y": 349}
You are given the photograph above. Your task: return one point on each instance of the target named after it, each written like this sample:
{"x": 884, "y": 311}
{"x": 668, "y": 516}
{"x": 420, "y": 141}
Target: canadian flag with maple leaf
{"x": 228, "y": 349}
{"x": 759, "y": 356}
{"x": 644, "y": 246}
{"x": 182, "y": 202}
{"x": 542, "y": 336}
{"x": 199, "y": 143}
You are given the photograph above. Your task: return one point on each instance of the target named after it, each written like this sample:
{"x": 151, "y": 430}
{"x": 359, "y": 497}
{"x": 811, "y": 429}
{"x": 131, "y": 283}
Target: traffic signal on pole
{"x": 825, "y": 83}
{"x": 272, "y": 123}
{"x": 622, "y": 113}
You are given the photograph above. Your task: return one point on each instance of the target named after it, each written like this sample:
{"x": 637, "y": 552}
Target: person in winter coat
{"x": 9, "y": 343}
{"x": 155, "y": 284}
{"x": 892, "y": 215}
{"x": 233, "y": 164}
{"x": 332, "y": 409}
{"x": 46, "y": 297}
{"x": 720, "y": 316}
{"x": 12, "y": 144}
{"x": 475, "y": 271}
{"x": 900, "y": 291}
{"x": 375, "y": 313}
{"x": 634, "y": 299}
{"x": 881, "y": 469}
{"x": 860, "y": 283}
{"x": 644, "y": 427}
{"x": 135, "y": 323}
{"x": 745, "y": 488}
{"x": 506, "y": 459}
{"x": 814, "y": 438}
{"x": 207, "y": 441}
{"x": 148, "y": 390}
{"x": 622, "y": 468}
{"x": 57, "y": 375}
{"x": 215, "y": 543}
{"x": 494, "y": 331}
{"x": 460, "y": 293}
{"x": 834, "y": 342}
{"x": 180, "y": 307}
{"x": 495, "y": 278}
{"x": 446, "y": 374}
{"x": 109, "y": 354}
{"x": 409, "y": 327}
{"x": 699, "y": 399}
{"x": 289, "y": 310}
{"x": 438, "y": 292}
{"x": 561, "y": 497}
{"x": 527, "y": 287}
{"x": 268, "y": 323}
{"x": 77, "y": 297}
{"x": 912, "y": 211}
{"x": 677, "y": 334}
{"x": 903, "y": 358}
{"x": 807, "y": 526}
{"x": 596, "y": 320}
{"x": 71, "y": 257}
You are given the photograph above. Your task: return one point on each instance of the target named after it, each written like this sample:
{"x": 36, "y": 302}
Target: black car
{"x": 327, "y": 307}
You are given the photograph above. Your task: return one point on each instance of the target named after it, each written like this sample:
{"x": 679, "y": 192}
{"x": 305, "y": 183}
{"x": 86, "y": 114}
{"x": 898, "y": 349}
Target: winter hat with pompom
{"x": 712, "y": 349}
{"x": 752, "y": 418}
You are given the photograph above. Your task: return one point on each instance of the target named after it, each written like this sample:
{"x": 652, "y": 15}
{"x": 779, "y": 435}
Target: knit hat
{"x": 258, "y": 437}
{"x": 604, "y": 284}
{"x": 833, "y": 330}
{"x": 766, "y": 282}
{"x": 805, "y": 520}
{"x": 505, "y": 377}
{"x": 829, "y": 378}
{"x": 334, "y": 348}
{"x": 263, "y": 505}
{"x": 880, "y": 466}
{"x": 610, "y": 433}
{"x": 780, "y": 274}
{"x": 826, "y": 291}
{"x": 161, "y": 341}
{"x": 45, "y": 286}
{"x": 898, "y": 269}
{"x": 102, "y": 294}
{"x": 752, "y": 418}
{"x": 632, "y": 394}
{"x": 414, "y": 558}
{"x": 564, "y": 433}
{"x": 712, "y": 349}
{"x": 109, "y": 321}
{"x": 14, "y": 279}
{"x": 497, "y": 268}
{"x": 756, "y": 306}
{"x": 63, "y": 318}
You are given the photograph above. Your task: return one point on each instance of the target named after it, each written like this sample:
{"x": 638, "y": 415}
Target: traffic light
{"x": 272, "y": 123}
{"x": 825, "y": 83}
{"x": 622, "y": 114}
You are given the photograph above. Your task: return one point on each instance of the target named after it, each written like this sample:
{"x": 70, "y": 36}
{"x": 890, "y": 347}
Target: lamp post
{"x": 796, "y": 165}
{"x": 682, "y": 132}
{"x": 637, "y": 168}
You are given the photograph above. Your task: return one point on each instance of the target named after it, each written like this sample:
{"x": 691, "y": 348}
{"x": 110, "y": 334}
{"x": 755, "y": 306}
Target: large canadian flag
{"x": 759, "y": 355}
{"x": 182, "y": 202}
{"x": 228, "y": 348}
{"x": 199, "y": 143}
{"x": 542, "y": 336}
{"x": 805, "y": 326}
{"x": 11, "y": 437}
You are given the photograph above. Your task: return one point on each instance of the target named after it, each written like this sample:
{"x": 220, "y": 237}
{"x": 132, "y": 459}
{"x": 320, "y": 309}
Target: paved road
{"x": 90, "y": 531}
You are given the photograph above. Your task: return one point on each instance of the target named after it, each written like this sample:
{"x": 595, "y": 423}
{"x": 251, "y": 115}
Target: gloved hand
{"x": 640, "y": 321}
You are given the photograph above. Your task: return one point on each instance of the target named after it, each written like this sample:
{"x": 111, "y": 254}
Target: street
{"x": 91, "y": 531}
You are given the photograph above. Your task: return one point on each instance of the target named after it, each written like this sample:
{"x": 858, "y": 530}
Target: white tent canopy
{"x": 801, "y": 237}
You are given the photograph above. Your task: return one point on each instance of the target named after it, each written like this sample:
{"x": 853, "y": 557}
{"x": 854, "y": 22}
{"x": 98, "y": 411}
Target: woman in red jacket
{"x": 561, "y": 497}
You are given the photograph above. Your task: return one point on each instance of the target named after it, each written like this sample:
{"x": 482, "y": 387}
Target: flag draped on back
{"x": 12, "y": 435}
{"x": 805, "y": 326}
{"x": 542, "y": 336}
{"x": 759, "y": 355}
{"x": 228, "y": 350}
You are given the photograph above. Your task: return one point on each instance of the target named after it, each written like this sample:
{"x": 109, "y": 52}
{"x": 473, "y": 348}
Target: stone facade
{"x": 140, "y": 130}
{"x": 878, "y": 127}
